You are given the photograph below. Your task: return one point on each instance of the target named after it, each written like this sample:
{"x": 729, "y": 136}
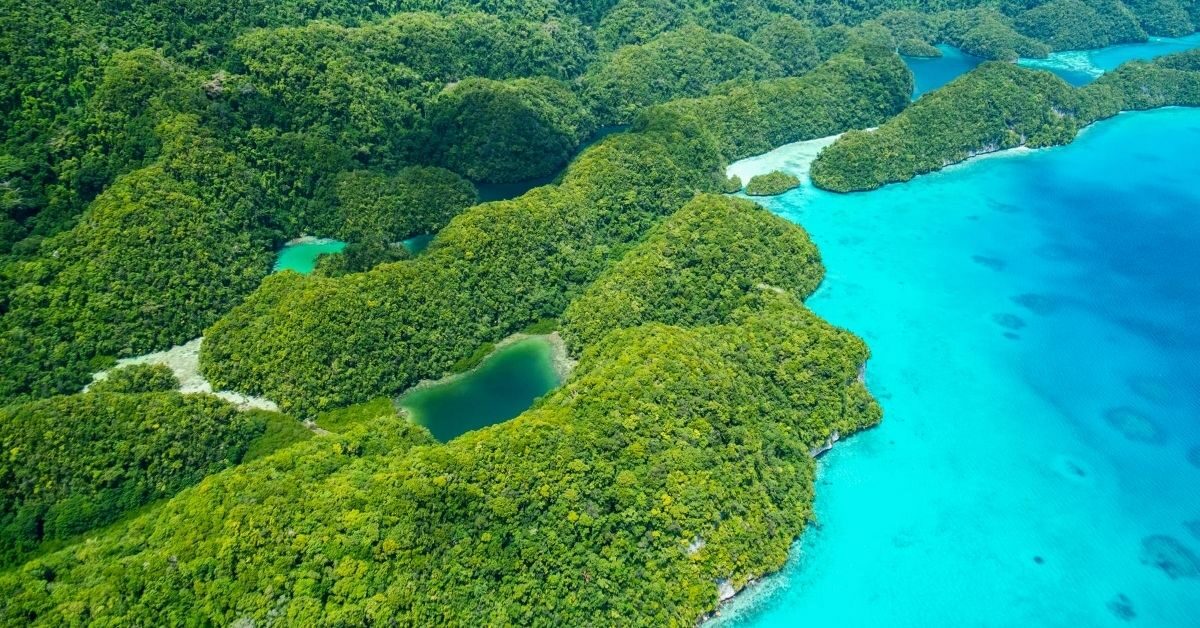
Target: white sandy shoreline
{"x": 184, "y": 362}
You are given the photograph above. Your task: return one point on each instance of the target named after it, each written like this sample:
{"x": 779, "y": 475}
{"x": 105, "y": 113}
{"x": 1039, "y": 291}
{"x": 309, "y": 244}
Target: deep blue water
{"x": 1033, "y": 319}
{"x": 933, "y": 72}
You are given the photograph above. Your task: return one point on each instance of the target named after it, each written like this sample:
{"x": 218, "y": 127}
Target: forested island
{"x": 156, "y": 155}
{"x": 995, "y": 107}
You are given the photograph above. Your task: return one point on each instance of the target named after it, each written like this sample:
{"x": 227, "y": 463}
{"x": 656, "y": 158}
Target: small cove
{"x": 301, "y": 255}
{"x": 930, "y": 73}
{"x": 1077, "y": 67}
{"x": 502, "y": 386}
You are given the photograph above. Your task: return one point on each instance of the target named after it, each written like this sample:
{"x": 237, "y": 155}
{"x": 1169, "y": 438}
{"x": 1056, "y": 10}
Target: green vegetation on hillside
{"x": 917, "y": 48}
{"x": 73, "y": 463}
{"x": 681, "y": 449}
{"x": 167, "y": 249}
{"x": 771, "y": 184}
{"x": 850, "y": 91}
{"x": 711, "y": 257}
{"x": 154, "y": 155}
{"x": 515, "y": 130}
{"x": 1076, "y": 24}
{"x": 344, "y": 419}
{"x": 372, "y": 206}
{"x": 500, "y": 266}
{"x": 790, "y": 43}
{"x": 678, "y": 64}
{"x": 158, "y": 256}
{"x": 137, "y": 378}
{"x": 994, "y": 107}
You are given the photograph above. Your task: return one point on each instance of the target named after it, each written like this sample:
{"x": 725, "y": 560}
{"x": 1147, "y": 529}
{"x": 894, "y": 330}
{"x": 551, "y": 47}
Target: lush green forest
{"x": 998, "y": 106}
{"x": 711, "y": 257}
{"x": 501, "y": 266}
{"x": 137, "y": 378}
{"x": 665, "y": 436}
{"x": 155, "y": 154}
{"x": 771, "y": 184}
{"x": 77, "y": 462}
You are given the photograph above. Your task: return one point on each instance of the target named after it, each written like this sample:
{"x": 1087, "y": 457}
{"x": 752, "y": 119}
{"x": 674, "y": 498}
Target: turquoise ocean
{"x": 1034, "y": 318}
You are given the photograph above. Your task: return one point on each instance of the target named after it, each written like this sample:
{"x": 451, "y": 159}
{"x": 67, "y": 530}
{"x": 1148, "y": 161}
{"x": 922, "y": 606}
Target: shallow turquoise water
{"x": 501, "y": 387}
{"x": 1016, "y": 307}
{"x": 302, "y": 257}
{"x": 1080, "y": 67}
{"x": 934, "y": 72}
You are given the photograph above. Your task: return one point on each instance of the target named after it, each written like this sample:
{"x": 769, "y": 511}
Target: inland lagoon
{"x": 1031, "y": 316}
{"x": 301, "y": 255}
{"x": 1077, "y": 67}
{"x": 930, "y": 73}
{"x": 505, "y": 384}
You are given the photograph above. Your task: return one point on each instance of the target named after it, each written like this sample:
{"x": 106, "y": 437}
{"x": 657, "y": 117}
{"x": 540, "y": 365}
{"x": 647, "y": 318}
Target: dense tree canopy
{"x": 847, "y": 92}
{"x": 504, "y": 131}
{"x": 674, "y": 458}
{"x": 369, "y": 205}
{"x": 73, "y": 463}
{"x": 153, "y": 154}
{"x": 994, "y": 107}
{"x": 711, "y": 257}
{"x": 137, "y": 378}
{"x": 790, "y": 43}
{"x": 160, "y": 255}
{"x": 501, "y": 266}
{"x": 771, "y": 183}
{"x": 678, "y": 64}
{"x": 1075, "y": 24}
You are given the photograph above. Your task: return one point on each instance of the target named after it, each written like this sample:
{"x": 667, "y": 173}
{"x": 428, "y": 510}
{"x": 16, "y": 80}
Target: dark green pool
{"x": 503, "y": 386}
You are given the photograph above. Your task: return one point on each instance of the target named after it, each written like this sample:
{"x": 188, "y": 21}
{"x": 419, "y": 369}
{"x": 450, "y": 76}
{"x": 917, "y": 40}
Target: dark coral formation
{"x": 1009, "y": 321}
{"x": 1171, "y": 556}
{"x": 1041, "y": 304}
{"x": 1122, "y": 607}
{"x": 993, "y": 263}
{"x": 1134, "y": 425}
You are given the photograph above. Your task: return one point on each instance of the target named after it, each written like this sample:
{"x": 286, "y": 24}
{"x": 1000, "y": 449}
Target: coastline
{"x": 795, "y": 158}
{"x": 1013, "y": 152}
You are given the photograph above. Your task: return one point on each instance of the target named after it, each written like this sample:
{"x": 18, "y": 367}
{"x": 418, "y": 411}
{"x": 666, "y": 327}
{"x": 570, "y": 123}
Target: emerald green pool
{"x": 417, "y": 244}
{"x": 302, "y": 257}
{"x": 504, "y": 385}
